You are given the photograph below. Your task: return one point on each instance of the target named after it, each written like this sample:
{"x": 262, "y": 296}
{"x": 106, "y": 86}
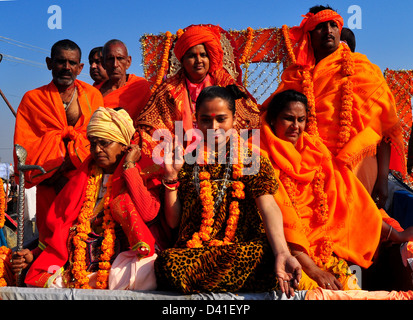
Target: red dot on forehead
{"x": 212, "y": 114}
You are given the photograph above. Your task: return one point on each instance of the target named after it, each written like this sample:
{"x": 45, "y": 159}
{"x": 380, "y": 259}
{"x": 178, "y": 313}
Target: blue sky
{"x": 25, "y": 38}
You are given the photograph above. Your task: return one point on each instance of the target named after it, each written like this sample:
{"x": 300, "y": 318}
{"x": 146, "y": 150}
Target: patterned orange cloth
{"x": 172, "y": 100}
{"x": 354, "y": 222}
{"x": 373, "y": 113}
{"x": 304, "y": 52}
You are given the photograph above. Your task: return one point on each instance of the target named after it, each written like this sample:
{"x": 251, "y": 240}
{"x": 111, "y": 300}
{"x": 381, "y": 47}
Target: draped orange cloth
{"x": 324, "y": 294}
{"x": 373, "y": 114}
{"x": 132, "y": 97}
{"x": 174, "y": 99}
{"x": 42, "y": 129}
{"x": 354, "y": 222}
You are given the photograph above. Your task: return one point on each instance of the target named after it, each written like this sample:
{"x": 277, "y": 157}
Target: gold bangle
{"x": 174, "y": 188}
{"x": 126, "y": 165}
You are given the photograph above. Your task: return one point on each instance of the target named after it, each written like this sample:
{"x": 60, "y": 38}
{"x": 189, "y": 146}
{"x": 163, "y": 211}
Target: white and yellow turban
{"x": 109, "y": 124}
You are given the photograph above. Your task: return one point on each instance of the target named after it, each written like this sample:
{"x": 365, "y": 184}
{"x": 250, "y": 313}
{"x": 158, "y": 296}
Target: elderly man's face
{"x": 325, "y": 39}
{"x": 116, "y": 61}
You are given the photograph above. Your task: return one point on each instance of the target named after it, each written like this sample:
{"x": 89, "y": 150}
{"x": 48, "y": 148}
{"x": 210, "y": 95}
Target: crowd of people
{"x": 221, "y": 211}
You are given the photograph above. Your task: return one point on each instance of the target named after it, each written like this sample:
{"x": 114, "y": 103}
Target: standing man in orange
{"x": 122, "y": 89}
{"x": 351, "y": 107}
{"x": 51, "y": 125}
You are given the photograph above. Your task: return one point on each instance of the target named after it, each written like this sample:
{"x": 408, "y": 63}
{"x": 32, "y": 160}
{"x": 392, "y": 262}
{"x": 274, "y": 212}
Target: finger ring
{"x": 328, "y": 284}
{"x": 285, "y": 280}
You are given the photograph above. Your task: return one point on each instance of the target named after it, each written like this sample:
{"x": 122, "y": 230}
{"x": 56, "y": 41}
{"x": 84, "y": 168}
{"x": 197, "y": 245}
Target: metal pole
{"x": 4, "y": 97}
{"x": 21, "y": 154}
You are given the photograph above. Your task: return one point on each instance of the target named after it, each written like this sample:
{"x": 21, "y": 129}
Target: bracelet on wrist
{"x": 126, "y": 165}
{"x": 170, "y": 181}
{"x": 170, "y": 186}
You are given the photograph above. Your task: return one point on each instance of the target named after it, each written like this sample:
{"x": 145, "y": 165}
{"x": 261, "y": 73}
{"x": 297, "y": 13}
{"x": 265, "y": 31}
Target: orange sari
{"x": 132, "y": 97}
{"x": 42, "y": 129}
{"x": 352, "y": 225}
{"x": 373, "y": 113}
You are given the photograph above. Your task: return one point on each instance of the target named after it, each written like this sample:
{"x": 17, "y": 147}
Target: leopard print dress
{"x": 245, "y": 265}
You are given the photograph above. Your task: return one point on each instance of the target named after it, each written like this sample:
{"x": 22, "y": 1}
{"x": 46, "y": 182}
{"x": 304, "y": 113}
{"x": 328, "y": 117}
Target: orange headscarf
{"x": 209, "y": 37}
{"x": 301, "y": 34}
{"x": 354, "y": 222}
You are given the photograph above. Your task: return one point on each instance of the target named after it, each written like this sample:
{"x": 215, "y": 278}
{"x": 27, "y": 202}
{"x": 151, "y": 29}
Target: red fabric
{"x": 132, "y": 97}
{"x": 41, "y": 128}
{"x": 65, "y": 210}
{"x": 209, "y": 37}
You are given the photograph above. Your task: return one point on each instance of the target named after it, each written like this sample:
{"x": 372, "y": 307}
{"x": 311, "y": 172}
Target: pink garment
{"x": 130, "y": 273}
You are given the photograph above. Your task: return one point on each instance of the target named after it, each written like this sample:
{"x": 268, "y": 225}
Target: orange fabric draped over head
{"x": 354, "y": 222}
{"x": 209, "y": 37}
{"x": 304, "y": 52}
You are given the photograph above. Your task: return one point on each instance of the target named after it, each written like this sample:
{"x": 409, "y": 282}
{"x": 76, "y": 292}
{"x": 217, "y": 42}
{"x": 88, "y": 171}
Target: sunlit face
{"x": 290, "y": 122}
{"x": 196, "y": 63}
{"x": 65, "y": 67}
{"x": 96, "y": 70}
{"x": 116, "y": 61}
{"x": 106, "y": 153}
{"x": 325, "y": 39}
{"x": 215, "y": 115}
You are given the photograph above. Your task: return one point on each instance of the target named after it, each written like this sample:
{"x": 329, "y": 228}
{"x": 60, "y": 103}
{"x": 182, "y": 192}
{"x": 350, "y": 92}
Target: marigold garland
{"x": 248, "y": 46}
{"x": 288, "y": 44}
{"x": 83, "y": 229}
{"x": 2, "y": 205}
{"x": 7, "y": 252}
{"x": 164, "y": 61}
{"x": 346, "y": 117}
{"x": 208, "y": 213}
{"x": 325, "y": 249}
{"x": 320, "y": 197}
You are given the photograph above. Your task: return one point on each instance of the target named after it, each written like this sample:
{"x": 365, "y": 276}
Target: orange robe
{"x": 353, "y": 226}
{"x": 374, "y": 112}
{"x": 41, "y": 128}
{"x": 132, "y": 97}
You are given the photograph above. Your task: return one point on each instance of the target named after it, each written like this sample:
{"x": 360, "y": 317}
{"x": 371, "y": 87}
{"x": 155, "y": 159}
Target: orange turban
{"x": 303, "y": 51}
{"x": 209, "y": 37}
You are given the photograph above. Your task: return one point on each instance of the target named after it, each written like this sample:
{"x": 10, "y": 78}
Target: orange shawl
{"x": 41, "y": 128}
{"x": 354, "y": 223}
{"x": 373, "y": 113}
{"x": 132, "y": 97}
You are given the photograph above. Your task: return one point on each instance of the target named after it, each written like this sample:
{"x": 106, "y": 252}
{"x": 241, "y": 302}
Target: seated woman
{"x": 98, "y": 223}
{"x": 329, "y": 217}
{"x": 226, "y": 241}
{"x": 202, "y": 56}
